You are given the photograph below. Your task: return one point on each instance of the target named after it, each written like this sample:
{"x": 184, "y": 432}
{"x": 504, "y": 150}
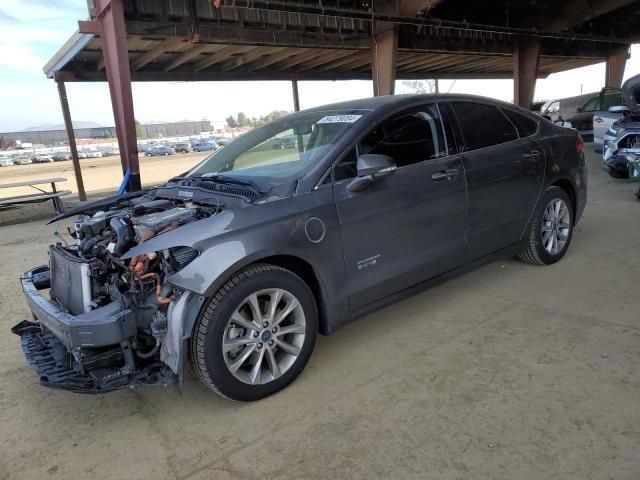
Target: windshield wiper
{"x": 232, "y": 181}
{"x": 223, "y": 184}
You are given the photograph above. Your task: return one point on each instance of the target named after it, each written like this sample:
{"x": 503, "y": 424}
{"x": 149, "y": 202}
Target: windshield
{"x": 282, "y": 150}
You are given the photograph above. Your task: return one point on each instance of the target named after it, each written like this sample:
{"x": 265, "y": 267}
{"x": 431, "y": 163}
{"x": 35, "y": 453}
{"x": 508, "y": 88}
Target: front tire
{"x": 551, "y": 229}
{"x": 256, "y": 334}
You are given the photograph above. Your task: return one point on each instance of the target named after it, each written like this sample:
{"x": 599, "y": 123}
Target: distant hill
{"x": 76, "y": 124}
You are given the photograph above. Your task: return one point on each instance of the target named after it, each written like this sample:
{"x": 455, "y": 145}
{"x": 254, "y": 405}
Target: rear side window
{"x": 526, "y": 126}
{"x": 483, "y": 125}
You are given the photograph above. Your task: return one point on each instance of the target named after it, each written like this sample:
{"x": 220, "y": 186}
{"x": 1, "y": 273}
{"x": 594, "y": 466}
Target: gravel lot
{"x": 510, "y": 372}
{"x": 100, "y": 175}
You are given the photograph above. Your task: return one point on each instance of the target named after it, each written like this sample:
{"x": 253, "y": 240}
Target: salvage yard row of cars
{"x": 25, "y": 158}
{"x": 148, "y": 149}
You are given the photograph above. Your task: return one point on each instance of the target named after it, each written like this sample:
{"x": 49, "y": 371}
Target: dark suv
{"x": 182, "y": 147}
{"x": 237, "y": 264}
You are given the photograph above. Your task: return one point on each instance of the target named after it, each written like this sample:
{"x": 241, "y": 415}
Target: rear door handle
{"x": 531, "y": 155}
{"x": 598, "y": 119}
{"x": 444, "y": 175}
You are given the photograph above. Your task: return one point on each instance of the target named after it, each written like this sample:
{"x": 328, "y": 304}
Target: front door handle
{"x": 533, "y": 154}
{"x": 444, "y": 175}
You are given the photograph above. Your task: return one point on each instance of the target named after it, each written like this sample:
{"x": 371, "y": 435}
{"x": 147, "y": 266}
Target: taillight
{"x": 579, "y": 144}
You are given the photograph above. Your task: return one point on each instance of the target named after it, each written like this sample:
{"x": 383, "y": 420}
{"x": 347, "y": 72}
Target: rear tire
{"x": 551, "y": 229}
{"x": 265, "y": 316}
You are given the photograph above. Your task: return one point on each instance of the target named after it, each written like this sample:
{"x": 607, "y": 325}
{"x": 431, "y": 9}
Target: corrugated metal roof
{"x": 284, "y": 40}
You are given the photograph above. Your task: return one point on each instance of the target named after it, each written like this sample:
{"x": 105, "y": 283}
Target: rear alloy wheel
{"x": 256, "y": 334}
{"x": 551, "y": 229}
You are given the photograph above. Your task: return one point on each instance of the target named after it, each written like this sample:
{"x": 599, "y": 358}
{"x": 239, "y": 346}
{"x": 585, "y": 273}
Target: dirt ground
{"x": 100, "y": 176}
{"x": 510, "y": 372}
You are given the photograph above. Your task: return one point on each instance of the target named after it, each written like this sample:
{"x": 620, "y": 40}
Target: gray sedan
{"x": 160, "y": 150}
{"x": 237, "y": 264}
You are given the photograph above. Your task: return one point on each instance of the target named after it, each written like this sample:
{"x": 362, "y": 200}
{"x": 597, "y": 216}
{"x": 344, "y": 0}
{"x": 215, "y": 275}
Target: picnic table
{"x": 43, "y": 194}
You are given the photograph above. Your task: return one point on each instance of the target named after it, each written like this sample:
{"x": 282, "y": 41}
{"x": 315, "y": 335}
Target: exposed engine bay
{"x": 111, "y": 313}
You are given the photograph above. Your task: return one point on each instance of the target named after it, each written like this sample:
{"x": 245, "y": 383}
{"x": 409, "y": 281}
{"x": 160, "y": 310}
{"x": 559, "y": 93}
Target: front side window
{"x": 553, "y": 108}
{"x": 483, "y": 125}
{"x": 592, "y": 105}
{"x": 408, "y": 139}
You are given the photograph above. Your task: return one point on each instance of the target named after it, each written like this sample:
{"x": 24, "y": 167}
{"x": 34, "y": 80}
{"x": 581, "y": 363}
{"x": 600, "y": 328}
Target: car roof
{"x": 391, "y": 102}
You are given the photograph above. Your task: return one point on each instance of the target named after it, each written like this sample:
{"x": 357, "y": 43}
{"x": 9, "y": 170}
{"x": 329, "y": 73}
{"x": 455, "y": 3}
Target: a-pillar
{"x": 616, "y": 62}
{"x": 526, "y": 58}
{"x": 384, "y": 50}
{"x": 113, "y": 38}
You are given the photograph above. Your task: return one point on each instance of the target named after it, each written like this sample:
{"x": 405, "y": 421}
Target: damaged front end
{"x": 111, "y": 323}
{"x": 622, "y": 156}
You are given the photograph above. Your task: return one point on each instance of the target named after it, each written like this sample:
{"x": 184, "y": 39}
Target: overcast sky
{"x": 31, "y": 31}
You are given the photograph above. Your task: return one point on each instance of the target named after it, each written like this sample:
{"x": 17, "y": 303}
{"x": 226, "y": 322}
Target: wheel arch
{"x": 308, "y": 274}
{"x": 299, "y": 266}
{"x": 566, "y": 185}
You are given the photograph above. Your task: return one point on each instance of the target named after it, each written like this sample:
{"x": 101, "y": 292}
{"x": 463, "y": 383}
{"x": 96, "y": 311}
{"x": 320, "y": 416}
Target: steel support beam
{"x": 616, "y": 62}
{"x": 66, "y": 114}
{"x": 113, "y": 38}
{"x": 296, "y": 96}
{"x": 385, "y": 52}
{"x": 526, "y": 59}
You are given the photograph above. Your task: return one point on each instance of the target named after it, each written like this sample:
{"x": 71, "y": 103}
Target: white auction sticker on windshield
{"x": 340, "y": 119}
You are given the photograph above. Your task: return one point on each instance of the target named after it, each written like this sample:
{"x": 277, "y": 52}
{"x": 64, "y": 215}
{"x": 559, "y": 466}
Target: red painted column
{"x": 113, "y": 38}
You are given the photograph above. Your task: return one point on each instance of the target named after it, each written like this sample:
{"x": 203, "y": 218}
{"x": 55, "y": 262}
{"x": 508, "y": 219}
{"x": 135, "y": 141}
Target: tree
{"x": 243, "y": 121}
{"x": 138, "y": 129}
{"x": 271, "y": 116}
{"x": 232, "y": 122}
{"x": 420, "y": 86}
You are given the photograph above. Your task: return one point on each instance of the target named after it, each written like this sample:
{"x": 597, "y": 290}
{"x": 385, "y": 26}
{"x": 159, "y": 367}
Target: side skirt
{"x": 508, "y": 252}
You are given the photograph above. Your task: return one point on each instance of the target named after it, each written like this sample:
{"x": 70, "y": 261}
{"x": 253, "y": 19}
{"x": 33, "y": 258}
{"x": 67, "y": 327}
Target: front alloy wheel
{"x": 264, "y": 336}
{"x": 256, "y": 334}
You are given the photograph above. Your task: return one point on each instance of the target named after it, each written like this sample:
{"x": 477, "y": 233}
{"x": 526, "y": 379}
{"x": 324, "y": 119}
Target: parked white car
{"x": 42, "y": 158}
{"x": 6, "y": 162}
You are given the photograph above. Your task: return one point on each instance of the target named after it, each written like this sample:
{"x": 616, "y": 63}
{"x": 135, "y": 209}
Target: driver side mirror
{"x": 370, "y": 168}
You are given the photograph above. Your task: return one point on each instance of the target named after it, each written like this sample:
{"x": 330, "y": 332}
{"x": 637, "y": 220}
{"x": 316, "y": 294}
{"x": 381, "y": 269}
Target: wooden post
{"x": 66, "y": 114}
{"x": 385, "y": 49}
{"x": 616, "y": 62}
{"x": 296, "y": 97}
{"x": 526, "y": 58}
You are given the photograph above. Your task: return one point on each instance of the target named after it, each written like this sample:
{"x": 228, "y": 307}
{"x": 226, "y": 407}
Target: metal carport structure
{"x": 384, "y": 40}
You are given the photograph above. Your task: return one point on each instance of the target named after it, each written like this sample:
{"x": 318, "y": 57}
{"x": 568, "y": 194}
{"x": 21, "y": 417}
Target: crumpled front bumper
{"x": 101, "y": 327}
{"x": 55, "y": 365}
{"x": 88, "y": 353}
